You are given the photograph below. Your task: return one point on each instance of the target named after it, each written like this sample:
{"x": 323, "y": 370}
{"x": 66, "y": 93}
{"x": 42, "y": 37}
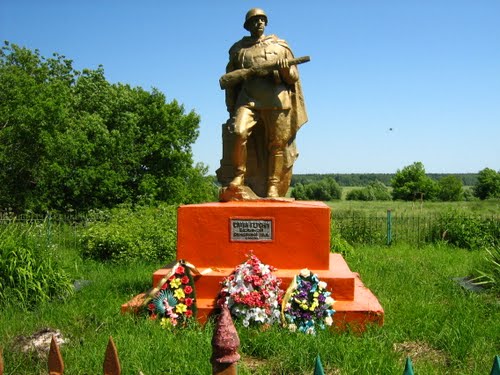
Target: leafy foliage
{"x": 144, "y": 233}
{"x": 450, "y": 188}
{"x": 488, "y": 184}
{"x": 375, "y": 191}
{"x": 324, "y": 190}
{"x": 364, "y": 179}
{"x": 72, "y": 140}
{"x": 410, "y": 182}
{"x": 468, "y": 231}
{"x": 489, "y": 274}
{"x": 29, "y": 272}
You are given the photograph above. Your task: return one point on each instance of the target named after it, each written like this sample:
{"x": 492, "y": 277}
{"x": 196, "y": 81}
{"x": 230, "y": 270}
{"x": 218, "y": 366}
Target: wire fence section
{"x": 463, "y": 230}
{"x": 469, "y": 231}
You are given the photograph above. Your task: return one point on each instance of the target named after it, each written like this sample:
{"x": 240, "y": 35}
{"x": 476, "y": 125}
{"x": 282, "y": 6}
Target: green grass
{"x": 446, "y": 329}
{"x": 487, "y": 207}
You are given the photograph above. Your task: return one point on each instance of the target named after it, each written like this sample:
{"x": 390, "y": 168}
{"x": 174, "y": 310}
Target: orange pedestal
{"x": 216, "y": 237}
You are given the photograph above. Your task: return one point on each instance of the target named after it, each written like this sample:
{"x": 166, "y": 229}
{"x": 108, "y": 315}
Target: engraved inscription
{"x": 251, "y": 229}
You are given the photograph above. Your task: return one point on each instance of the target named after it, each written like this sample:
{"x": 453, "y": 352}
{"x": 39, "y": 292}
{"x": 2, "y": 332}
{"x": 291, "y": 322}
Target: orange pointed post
{"x": 55, "y": 362}
{"x": 111, "y": 362}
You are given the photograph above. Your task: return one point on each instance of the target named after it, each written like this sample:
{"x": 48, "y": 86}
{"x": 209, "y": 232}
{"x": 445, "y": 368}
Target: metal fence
{"x": 417, "y": 229}
{"x": 355, "y": 228}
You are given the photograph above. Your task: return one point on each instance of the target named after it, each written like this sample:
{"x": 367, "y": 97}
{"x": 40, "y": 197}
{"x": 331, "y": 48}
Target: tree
{"x": 450, "y": 188}
{"x": 324, "y": 190}
{"x": 412, "y": 183}
{"x": 375, "y": 191}
{"x": 72, "y": 140}
{"x": 488, "y": 184}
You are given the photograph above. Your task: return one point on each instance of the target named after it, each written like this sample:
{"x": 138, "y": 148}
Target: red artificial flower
{"x": 171, "y": 278}
{"x": 188, "y": 289}
{"x": 188, "y": 301}
{"x": 179, "y": 270}
{"x": 188, "y": 313}
{"x": 151, "y": 306}
{"x": 164, "y": 286}
{"x": 185, "y": 280}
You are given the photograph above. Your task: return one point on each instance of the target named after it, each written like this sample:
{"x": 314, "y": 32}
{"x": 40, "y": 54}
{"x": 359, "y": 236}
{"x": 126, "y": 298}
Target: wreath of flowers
{"x": 174, "y": 303}
{"x": 252, "y": 292}
{"x": 307, "y": 304}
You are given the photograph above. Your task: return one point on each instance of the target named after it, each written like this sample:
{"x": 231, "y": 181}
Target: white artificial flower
{"x": 329, "y": 301}
{"x": 292, "y": 327}
{"x": 328, "y": 321}
{"x": 310, "y": 331}
{"x": 305, "y": 272}
{"x": 322, "y": 285}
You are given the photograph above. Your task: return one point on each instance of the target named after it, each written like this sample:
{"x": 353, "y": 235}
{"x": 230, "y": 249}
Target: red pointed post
{"x": 55, "y": 362}
{"x": 111, "y": 364}
{"x": 225, "y": 344}
{"x": 1, "y": 361}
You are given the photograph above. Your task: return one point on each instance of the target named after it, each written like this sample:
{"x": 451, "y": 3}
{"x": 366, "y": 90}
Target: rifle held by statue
{"x": 233, "y": 78}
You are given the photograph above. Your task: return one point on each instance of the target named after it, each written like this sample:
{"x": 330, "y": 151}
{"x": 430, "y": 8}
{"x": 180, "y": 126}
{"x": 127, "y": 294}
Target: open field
{"x": 487, "y": 207}
{"x": 444, "y": 328}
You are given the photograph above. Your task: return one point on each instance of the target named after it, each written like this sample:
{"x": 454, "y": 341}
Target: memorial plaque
{"x": 251, "y": 229}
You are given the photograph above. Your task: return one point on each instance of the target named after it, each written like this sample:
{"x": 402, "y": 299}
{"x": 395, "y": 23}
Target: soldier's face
{"x": 257, "y": 25}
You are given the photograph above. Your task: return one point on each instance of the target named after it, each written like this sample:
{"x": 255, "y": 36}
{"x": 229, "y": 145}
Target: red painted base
{"x": 300, "y": 234}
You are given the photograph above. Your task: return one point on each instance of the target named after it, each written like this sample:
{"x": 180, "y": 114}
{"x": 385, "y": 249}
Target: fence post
{"x": 111, "y": 363}
{"x": 49, "y": 229}
{"x": 389, "y": 227}
{"x": 1, "y": 361}
{"x": 408, "y": 367}
{"x": 55, "y": 362}
{"x": 495, "y": 370}
{"x": 225, "y": 343}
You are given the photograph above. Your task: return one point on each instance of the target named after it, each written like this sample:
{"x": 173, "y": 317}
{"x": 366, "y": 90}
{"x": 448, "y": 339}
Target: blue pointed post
{"x": 408, "y": 367}
{"x": 495, "y": 370}
{"x": 318, "y": 367}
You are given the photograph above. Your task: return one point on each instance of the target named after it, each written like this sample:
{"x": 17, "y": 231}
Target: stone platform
{"x": 216, "y": 237}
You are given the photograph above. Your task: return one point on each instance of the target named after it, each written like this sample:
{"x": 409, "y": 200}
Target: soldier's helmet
{"x": 254, "y": 12}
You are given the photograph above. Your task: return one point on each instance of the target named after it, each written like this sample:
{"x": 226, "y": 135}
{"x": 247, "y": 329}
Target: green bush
{"x": 488, "y": 184}
{"x": 359, "y": 228}
{"x": 450, "y": 188}
{"x": 337, "y": 243}
{"x": 143, "y": 233}
{"x": 29, "y": 271}
{"x": 324, "y": 190}
{"x": 375, "y": 191}
{"x": 468, "y": 231}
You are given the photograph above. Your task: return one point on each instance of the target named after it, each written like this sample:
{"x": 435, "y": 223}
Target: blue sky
{"x": 427, "y": 69}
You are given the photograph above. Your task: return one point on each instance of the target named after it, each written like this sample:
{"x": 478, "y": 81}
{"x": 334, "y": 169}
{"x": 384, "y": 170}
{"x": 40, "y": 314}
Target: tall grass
{"x": 446, "y": 329}
{"x": 29, "y": 270}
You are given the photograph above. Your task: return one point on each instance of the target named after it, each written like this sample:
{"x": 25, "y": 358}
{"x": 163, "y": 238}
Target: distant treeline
{"x": 363, "y": 179}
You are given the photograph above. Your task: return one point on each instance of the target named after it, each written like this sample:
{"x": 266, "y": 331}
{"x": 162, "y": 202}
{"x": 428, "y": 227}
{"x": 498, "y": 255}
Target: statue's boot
{"x": 275, "y": 168}
{"x": 239, "y": 162}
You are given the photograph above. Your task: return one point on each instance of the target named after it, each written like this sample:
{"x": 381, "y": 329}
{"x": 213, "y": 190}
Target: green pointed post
{"x": 495, "y": 370}
{"x": 318, "y": 367}
{"x": 408, "y": 367}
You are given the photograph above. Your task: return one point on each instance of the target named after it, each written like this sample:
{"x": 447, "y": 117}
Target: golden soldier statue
{"x": 266, "y": 107}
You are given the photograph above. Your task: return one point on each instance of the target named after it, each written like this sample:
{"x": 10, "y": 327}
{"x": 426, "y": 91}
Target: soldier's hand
{"x": 283, "y": 64}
